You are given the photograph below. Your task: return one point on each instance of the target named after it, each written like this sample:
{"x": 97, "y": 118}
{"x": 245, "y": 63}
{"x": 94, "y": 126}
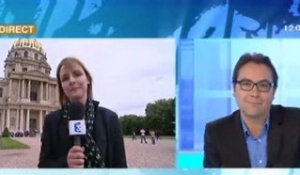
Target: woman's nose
{"x": 71, "y": 79}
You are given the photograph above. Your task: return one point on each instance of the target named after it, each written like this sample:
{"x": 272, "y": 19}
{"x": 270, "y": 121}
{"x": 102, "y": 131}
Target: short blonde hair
{"x": 70, "y": 61}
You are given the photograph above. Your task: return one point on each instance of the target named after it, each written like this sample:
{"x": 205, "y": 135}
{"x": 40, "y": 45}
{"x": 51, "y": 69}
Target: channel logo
{"x": 77, "y": 127}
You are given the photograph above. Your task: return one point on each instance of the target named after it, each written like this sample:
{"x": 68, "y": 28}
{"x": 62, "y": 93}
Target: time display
{"x": 292, "y": 28}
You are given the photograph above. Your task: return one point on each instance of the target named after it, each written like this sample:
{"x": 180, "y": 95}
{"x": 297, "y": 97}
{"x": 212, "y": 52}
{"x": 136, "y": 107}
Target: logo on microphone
{"x": 77, "y": 127}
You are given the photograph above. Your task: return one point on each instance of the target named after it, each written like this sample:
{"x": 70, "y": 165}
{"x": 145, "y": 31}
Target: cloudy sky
{"x": 127, "y": 73}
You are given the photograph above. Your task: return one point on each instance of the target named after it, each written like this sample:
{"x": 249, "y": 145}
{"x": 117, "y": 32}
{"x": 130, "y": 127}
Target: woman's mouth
{"x": 74, "y": 89}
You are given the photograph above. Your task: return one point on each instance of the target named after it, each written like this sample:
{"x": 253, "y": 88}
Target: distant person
{"x": 259, "y": 134}
{"x": 152, "y": 134}
{"x": 143, "y": 135}
{"x": 133, "y": 135}
{"x": 157, "y": 136}
{"x": 103, "y": 146}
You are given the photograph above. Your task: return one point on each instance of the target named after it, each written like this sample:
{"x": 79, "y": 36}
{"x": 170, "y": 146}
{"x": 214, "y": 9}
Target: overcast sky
{"x": 127, "y": 73}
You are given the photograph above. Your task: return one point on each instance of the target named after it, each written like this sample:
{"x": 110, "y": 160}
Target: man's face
{"x": 254, "y": 103}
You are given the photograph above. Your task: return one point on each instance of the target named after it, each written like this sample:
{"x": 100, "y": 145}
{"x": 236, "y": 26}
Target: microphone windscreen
{"x": 76, "y": 123}
{"x": 76, "y": 111}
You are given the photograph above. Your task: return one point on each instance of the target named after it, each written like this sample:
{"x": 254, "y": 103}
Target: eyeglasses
{"x": 262, "y": 86}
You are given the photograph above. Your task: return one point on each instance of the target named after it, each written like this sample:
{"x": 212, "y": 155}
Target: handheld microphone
{"x": 76, "y": 123}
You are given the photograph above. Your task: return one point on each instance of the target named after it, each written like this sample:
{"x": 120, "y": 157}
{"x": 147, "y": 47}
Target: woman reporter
{"x": 103, "y": 145}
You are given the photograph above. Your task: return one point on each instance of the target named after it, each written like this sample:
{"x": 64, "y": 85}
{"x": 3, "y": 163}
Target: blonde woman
{"x": 103, "y": 145}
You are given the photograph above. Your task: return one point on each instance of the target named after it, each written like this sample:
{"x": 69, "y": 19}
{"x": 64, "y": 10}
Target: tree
{"x": 132, "y": 123}
{"x": 160, "y": 116}
{"x": 6, "y": 132}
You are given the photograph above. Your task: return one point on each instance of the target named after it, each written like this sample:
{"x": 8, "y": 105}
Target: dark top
{"x": 225, "y": 144}
{"x": 107, "y": 133}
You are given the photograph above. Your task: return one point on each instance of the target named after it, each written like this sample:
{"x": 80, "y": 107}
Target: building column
{"x": 27, "y": 119}
{"x": 8, "y": 118}
{"x": 19, "y": 89}
{"x": 22, "y": 120}
{"x": 47, "y": 91}
{"x": 41, "y": 92}
{"x": 41, "y": 121}
{"x": 23, "y": 89}
{"x": 50, "y": 91}
{"x": 18, "y": 120}
{"x": 29, "y": 88}
{"x": 2, "y": 120}
{"x": 56, "y": 94}
{"x": 9, "y": 89}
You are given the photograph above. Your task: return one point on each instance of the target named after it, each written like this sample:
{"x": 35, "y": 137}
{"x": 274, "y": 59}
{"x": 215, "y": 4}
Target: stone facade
{"x": 27, "y": 92}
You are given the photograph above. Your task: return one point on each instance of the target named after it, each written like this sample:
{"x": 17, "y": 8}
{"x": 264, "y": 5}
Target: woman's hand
{"x": 75, "y": 157}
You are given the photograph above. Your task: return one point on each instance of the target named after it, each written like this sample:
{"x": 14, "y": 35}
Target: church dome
{"x": 28, "y": 43}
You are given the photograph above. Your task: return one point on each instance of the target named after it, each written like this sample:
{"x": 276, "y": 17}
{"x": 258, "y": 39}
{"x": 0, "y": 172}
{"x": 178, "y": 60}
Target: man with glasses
{"x": 259, "y": 134}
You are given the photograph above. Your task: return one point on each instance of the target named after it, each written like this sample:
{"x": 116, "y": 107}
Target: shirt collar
{"x": 246, "y": 130}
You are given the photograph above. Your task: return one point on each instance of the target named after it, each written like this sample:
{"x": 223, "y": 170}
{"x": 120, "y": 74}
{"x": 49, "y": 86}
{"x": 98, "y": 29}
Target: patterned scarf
{"x": 92, "y": 151}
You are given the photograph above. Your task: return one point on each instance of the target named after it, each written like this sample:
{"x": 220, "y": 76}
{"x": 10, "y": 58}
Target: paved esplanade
{"x": 138, "y": 155}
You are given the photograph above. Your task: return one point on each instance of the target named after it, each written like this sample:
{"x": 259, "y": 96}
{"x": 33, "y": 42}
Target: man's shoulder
{"x": 224, "y": 121}
{"x": 287, "y": 111}
{"x": 292, "y": 113}
{"x": 286, "y": 108}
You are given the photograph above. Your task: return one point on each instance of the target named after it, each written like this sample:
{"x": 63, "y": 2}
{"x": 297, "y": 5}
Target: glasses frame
{"x": 254, "y": 84}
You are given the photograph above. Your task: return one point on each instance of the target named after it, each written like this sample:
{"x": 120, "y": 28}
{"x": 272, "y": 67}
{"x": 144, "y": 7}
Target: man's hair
{"x": 257, "y": 58}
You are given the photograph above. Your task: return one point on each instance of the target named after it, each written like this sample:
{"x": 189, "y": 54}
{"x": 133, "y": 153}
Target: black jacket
{"x": 225, "y": 144}
{"x": 107, "y": 133}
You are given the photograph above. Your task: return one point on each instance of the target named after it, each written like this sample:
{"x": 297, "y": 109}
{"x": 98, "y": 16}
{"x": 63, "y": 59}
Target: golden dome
{"x": 28, "y": 43}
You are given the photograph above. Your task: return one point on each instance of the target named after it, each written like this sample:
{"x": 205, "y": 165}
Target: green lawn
{"x": 8, "y": 143}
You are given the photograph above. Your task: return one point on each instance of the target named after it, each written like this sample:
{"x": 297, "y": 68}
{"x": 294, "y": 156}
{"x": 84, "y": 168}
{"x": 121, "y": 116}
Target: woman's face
{"x": 74, "y": 82}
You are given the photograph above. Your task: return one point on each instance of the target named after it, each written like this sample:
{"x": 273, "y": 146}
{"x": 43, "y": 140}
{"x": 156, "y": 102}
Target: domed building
{"x": 27, "y": 92}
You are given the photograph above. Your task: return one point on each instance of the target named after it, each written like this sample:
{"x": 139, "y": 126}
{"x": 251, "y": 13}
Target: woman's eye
{"x": 64, "y": 78}
{"x": 77, "y": 73}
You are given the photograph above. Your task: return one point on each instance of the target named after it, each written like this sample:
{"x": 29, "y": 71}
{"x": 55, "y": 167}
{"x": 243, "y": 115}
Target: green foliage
{"x": 5, "y": 133}
{"x": 160, "y": 116}
{"x": 8, "y": 143}
{"x": 132, "y": 123}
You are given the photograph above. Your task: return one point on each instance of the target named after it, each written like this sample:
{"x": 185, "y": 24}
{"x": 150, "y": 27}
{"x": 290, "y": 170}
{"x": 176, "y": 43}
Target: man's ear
{"x": 233, "y": 92}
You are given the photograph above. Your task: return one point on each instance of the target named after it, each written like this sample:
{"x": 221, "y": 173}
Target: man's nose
{"x": 254, "y": 91}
